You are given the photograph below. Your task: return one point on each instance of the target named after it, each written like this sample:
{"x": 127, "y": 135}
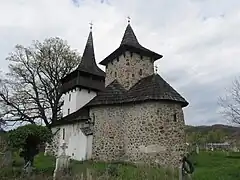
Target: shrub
{"x": 18, "y": 138}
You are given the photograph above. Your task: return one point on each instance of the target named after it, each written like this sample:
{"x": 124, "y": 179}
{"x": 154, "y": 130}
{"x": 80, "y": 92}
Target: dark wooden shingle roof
{"x": 88, "y": 62}
{"x": 87, "y": 131}
{"x": 112, "y": 94}
{"x": 78, "y": 116}
{"x": 153, "y": 87}
{"x": 130, "y": 43}
{"x": 87, "y": 75}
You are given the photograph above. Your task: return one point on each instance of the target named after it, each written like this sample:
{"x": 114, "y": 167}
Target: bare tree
{"x": 230, "y": 103}
{"x": 31, "y": 90}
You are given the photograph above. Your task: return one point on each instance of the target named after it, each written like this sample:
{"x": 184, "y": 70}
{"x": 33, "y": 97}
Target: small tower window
{"x": 175, "y": 117}
{"x": 140, "y": 72}
{"x": 89, "y": 91}
{"x": 69, "y": 96}
{"x": 63, "y": 135}
{"x": 115, "y": 74}
{"x": 127, "y": 63}
{"x": 132, "y": 75}
{"x": 68, "y": 110}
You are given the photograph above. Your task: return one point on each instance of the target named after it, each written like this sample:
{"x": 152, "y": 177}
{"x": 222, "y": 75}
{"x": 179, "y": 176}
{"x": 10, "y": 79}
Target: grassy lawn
{"x": 208, "y": 166}
{"x": 216, "y": 166}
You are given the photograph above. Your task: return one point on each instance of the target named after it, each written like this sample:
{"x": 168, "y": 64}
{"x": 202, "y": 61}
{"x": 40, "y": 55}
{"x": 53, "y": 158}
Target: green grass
{"x": 124, "y": 171}
{"x": 216, "y": 166}
{"x": 208, "y": 166}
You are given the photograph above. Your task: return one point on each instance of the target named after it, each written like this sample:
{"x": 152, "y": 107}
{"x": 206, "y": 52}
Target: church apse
{"x": 145, "y": 132}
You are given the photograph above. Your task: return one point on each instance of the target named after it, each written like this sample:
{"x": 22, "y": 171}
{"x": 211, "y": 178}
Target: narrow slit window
{"x": 69, "y": 97}
{"x": 175, "y": 117}
{"x": 115, "y": 74}
{"x": 63, "y": 136}
{"x": 140, "y": 72}
{"x": 68, "y": 110}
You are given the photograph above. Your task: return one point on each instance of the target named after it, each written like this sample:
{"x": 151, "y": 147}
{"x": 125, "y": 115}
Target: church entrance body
{"x": 76, "y": 141}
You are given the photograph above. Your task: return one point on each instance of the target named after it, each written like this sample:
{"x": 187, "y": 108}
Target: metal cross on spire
{"x": 129, "y": 19}
{"x": 91, "y": 25}
{"x": 156, "y": 69}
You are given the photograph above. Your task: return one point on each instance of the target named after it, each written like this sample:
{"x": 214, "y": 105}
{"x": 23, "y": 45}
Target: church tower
{"x": 130, "y": 62}
{"x": 82, "y": 85}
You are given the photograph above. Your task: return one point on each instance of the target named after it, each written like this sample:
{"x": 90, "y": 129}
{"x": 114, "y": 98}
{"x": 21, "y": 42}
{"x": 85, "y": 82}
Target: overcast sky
{"x": 199, "y": 39}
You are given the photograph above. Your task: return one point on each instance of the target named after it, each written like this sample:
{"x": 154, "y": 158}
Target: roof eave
{"x": 121, "y": 49}
{"x": 66, "y": 122}
{"x": 185, "y": 104}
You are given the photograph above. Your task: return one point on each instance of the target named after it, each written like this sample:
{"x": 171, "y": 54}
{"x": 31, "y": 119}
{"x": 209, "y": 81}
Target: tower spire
{"x": 88, "y": 62}
{"x": 129, "y": 38}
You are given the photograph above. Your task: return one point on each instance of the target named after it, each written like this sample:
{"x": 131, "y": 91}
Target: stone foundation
{"x": 148, "y": 132}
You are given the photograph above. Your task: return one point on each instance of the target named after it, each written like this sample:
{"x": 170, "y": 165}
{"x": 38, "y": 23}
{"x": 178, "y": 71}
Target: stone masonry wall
{"x": 155, "y": 133}
{"x": 128, "y": 69}
{"x": 148, "y": 132}
{"x": 107, "y": 138}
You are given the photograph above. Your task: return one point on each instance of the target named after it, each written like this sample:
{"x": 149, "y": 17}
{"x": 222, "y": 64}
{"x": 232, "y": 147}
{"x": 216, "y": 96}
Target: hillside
{"x": 214, "y": 133}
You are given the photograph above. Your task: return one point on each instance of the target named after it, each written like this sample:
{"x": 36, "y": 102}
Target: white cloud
{"x": 199, "y": 39}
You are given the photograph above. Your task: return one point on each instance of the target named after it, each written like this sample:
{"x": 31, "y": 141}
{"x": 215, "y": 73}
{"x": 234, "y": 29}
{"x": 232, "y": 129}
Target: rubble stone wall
{"x": 128, "y": 69}
{"x": 145, "y": 132}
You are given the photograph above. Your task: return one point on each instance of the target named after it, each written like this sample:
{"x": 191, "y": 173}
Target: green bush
{"x": 17, "y": 138}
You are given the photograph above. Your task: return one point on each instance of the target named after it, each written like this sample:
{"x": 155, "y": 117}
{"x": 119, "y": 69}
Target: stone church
{"x": 127, "y": 113}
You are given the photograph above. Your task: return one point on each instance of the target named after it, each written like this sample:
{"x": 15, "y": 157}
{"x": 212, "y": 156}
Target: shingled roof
{"x": 88, "y": 62}
{"x": 87, "y": 74}
{"x": 130, "y": 43}
{"x": 112, "y": 94}
{"x": 153, "y": 87}
{"x": 79, "y": 115}
{"x": 87, "y": 131}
